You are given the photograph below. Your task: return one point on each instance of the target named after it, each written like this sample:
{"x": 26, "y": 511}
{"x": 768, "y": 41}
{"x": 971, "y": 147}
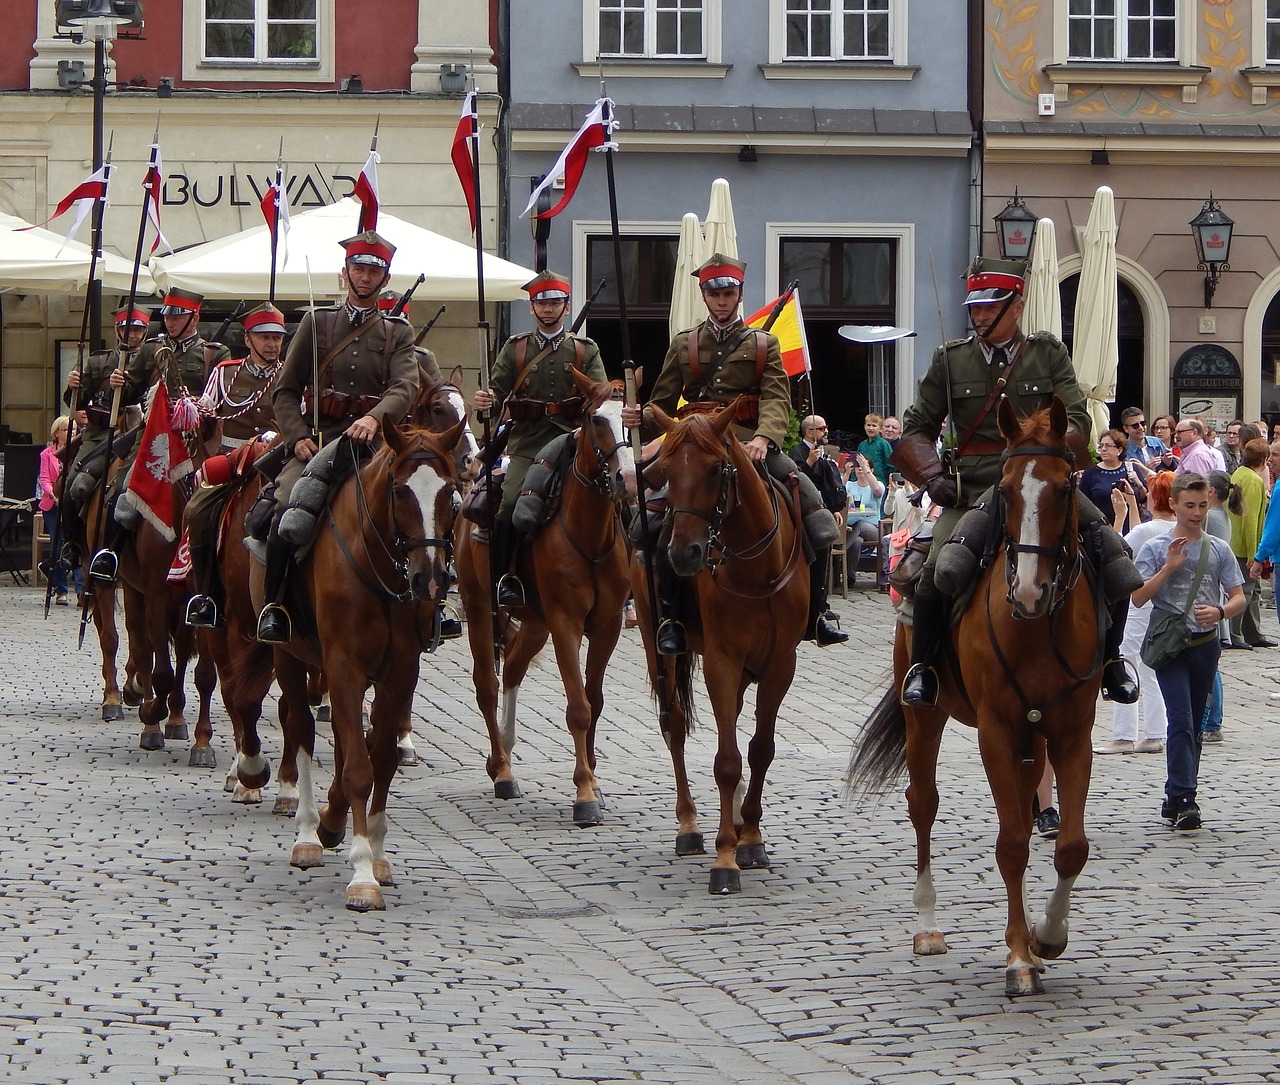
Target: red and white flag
{"x": 468, "y": 124}
{"x": 596, "y": 133}
{"x": 367, "y": 192}
{"x": 153, "y": 183}
{"x": 275, "y": 209}
{"x": 162, "y": 461}
{"x": 82, "y": 197}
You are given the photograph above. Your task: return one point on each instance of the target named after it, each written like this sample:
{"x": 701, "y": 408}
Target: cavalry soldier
{"x": 367, "y": 372}
{"x": 531, "y": 379}
{"x": 238, "y": 394}
{"x": 711, "y": 365}
{"x": 965, "y": 379}
{"x": 181, "y": 358}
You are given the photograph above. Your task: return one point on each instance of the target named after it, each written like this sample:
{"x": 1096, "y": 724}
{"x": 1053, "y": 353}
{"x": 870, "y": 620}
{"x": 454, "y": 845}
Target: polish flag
{"x": 275, "y": 209}
{"x": 468, "y": 124}
{"x": 595, "y": 134}
{"x": 154, "y": 185}
{"x": 83, "y": 196}
{"x": 366, "y": 192}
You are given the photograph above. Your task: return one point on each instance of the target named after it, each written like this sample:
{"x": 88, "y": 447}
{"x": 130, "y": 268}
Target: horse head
{"x": 1038, "y": 494}
{"x": 697, "y": 464}
{"x": 439, "y": 405}
{"x": 614, "y": 463}
{"x": 423, "y": 487}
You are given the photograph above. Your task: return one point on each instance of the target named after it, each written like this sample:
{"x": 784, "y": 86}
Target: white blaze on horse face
{"x": 1028, "y": 592}
{"x": 612, "y": 413}
{"x": 426, "y": 484}
{"x": 470, "y": 466}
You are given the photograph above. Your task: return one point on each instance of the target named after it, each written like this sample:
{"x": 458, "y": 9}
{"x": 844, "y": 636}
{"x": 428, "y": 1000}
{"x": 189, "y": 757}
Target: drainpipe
{"x": 504, "y": 152}
{"x": 976, "y": 83}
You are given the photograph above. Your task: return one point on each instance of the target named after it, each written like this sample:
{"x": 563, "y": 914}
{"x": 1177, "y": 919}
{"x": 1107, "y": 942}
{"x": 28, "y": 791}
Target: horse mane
{"x": 698, "y": 430}
{"x": 1036, "y": 429}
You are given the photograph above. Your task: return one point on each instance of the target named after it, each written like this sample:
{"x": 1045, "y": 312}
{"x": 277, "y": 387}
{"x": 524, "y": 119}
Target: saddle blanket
{"x": 180, "y": 568}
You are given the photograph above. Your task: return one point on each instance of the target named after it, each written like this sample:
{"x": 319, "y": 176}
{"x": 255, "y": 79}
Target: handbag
{"x": 906, "y": 572}
{"x": 1167, "y": 633}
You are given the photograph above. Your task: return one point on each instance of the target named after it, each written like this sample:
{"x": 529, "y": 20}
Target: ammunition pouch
{"x": 905, "y": 575}
{"x": 340, "y": 405}
{"x": 523, "y": 409}
{"x": 476, "y": 506}
{"x": 98, "y": 416}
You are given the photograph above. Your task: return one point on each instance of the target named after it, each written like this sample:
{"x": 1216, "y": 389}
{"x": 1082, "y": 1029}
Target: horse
{"x": 382, "y": 555}
{"x": 1024, "y": 668}
{"x": 740, "y": 547}
{"x": 575, "y": 572}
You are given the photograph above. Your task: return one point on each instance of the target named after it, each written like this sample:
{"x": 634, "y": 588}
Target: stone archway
{"x": 1261, "y": 348}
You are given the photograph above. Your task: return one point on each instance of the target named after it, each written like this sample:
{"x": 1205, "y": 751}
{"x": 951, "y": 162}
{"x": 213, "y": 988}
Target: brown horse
{"x": 575, "y": 572}
{"x": 375, "y": 576}
{"x": 732, "y": 535}
{"x": 1028, "y": 649}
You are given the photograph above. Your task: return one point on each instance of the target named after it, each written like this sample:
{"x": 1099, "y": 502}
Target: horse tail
{"x": 685, "y": 666}
{"x": 881, "y": 756}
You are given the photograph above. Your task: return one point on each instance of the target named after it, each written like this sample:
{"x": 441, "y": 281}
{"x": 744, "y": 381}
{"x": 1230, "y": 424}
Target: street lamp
{"x": 1015, "y": 229}
{"x": 99, "y": 24}
{"x": 1211, "y": 230}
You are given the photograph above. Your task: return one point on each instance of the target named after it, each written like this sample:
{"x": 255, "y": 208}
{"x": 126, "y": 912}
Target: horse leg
{"x": 103, "y": 610}
{"x": 723, "y": 685}
{"x": 183, "y": 645}
{"x": 137, "y": 667}
{"x": 202, "y": 754}
{"x": 774, "y": 683}
{"x": 352, "y": 784}
{"x": 298, "y": 729}
{"x": 923, "y": 740}
{"x": 154, "y": 712}
{"x": 390, "y": 710}
{"x": 286, "y": 802}
{"x": 485, "y": 680}
{"x": 1072, "y": 752}
{"x": 565, "y": 641}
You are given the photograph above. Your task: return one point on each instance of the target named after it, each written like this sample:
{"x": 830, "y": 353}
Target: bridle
{"x": 601, "y": 481}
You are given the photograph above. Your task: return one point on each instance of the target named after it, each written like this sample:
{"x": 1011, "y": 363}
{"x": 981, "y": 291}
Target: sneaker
{"x": 61, "y": 600}
{"x": 1211, "y": 736}
{"x": 1187, "y": 815}
{"x": 1114, "y": 746}
{"x": 1149, "y": 745}
{"x": 1166, "y": 809}
{"x": 1048, "y": 823}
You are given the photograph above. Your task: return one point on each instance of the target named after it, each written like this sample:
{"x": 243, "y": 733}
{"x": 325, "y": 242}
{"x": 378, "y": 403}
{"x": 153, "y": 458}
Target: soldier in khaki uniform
{"x": 733, "y": 360}
{"x": 532, "y": 379}
{"x": 368, "y": 372}
{"x": 238, "y": 394}
{"x": 959, "y": 384}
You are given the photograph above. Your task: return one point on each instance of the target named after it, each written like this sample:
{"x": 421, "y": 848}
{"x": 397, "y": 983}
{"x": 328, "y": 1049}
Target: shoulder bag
{"x": 1167, "y": 634}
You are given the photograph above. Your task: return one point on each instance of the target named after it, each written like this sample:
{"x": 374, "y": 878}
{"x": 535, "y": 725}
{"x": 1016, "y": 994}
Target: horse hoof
{"x": 246, "y": 796}
{"x": 331, "y": 838}
{"x": 586, "y": 814}
{"x": 506, "y": 789}
{"x": 408, "y": 757}
{"x": 752, "y": 857}
{"x": 382, "y": 872}
{"x": 1049, "y": 951}
{"x": 255, "y": 780}
{"x": 1022, "y": 980}
{"x": 724, "y": 881}
{"x": 202, "y": 757}
{"x": 176, "y": 731}
{"x": 131, "y": 696}
{"x": 929, "y": 943}
{"x": 112, "y": 712}
{"x": 287, "y": 806}
{"x": 229, "y": 784}
{"x": 690, "y": 844}
{"x": 306, "y": 856}
{"x": 365, "y": 898}
{"x": 151, "y": 740}
{"x": 322, "y": 714}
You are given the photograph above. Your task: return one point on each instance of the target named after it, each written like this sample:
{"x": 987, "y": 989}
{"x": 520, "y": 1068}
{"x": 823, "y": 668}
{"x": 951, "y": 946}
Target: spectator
{"x": 1275, "y": 431}
{"x": 876, "y": 448}
{"x": 812, "y": 458}
{"x": 1111, "y": 473}
{"x": 1141, "y": 447}
{"x": 47, "y": 501}
{"x": 1170, "y": 563}
{"x": 1269, "y": 545}
{"x": 1246, "y": 533}
{"x": 1196, "y": 457}
{"x": 891, "y": 431}
{"x": 1162, "y": 429}
{"x": 865, "y": 493}
{"x": 1222, "y": 495}
{"x": 1232, "y": 452}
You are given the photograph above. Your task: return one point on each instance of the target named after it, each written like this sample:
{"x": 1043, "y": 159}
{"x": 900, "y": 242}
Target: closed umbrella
{"x": 686, "y": 300}
{"x": 1095, "y": 348}
{"x": 1043, "y": 309}
{"x": 719, "y": 229}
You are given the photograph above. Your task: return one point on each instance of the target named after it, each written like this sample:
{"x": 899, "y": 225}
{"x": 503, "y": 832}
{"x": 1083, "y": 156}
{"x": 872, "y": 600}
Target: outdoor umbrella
{"x": 1043, "y": 309}
{"x": 36, "y": 261}
{"x": 686, "y": 300}
{"x": 719, "y": 229}
{"x": 1094, "y": 347}
{"x": 239, "y": 266}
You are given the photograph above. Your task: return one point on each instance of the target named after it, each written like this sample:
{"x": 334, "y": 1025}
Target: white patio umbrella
{"x": 239, "y": 266}
{"x": 719, "y": 229}
{"x": 686, "y": 300}
{"x": 37, "y": 262}
{"x": 1043, "y": 309}
{"x": 1095, "y": 348}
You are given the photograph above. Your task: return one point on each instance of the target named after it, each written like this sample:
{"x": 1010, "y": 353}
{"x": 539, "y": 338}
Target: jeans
{"x": 1212, "y": 720}
{"x": 1186, "y": 684}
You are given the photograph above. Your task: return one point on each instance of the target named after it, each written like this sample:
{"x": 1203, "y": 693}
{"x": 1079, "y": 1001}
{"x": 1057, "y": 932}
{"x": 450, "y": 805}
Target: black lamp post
{"x": 1015, "y": 229}
{"x": 98, "y": 24}
{"x": 1211, "y": 230}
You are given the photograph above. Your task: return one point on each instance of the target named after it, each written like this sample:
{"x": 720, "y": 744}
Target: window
{"x": 855, "y": 276}
{"x": 1122, "y": 30}
{"x": 1272, "y": 31}
{"x": 652, "y": 28}
{"x": 648, "y": 272}
{"x": 275, "y": 32}
{"x": 838, "y": 30}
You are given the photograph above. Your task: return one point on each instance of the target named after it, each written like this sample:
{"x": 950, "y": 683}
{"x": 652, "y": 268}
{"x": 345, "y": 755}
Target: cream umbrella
{"x": 1043, "y": 309}
{"x": 686, "y": 300}
{"x": 36, "y": 261}
{"x": 719, "y": 229}
{"x": 1095, "y": 348}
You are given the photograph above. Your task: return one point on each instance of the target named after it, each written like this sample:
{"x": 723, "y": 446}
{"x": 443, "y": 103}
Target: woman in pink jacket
{"x": 50, "y": 468}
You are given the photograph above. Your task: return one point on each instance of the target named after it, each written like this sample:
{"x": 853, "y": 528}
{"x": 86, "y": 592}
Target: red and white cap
{"x": 265, "y": 318}
{"x": 177, "y": 302}
{"x": 547, "y": 286}
{"x": 988, "y": 280}
{"x": 721, "y": 272}
{"x": 369, "y": 247}
{"x": 133, "y": 318}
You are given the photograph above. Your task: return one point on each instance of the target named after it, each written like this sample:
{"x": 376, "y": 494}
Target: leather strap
{"x": 523, "y": 371}
{"x": 1001, "y": 381}
{"x": 327, "y": 362}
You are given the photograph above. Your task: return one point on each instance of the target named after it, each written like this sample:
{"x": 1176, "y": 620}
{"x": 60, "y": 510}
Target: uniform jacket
{"x": 188, "y": 365}
{"x": 736, "y": 375}
{"x": 1043, "y": 369}
{"x": 231, "y": 392}
{"x": 380, "y": 363}
{"x": 95, "y": 387}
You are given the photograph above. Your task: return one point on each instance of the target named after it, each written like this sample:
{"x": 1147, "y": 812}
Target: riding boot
{"x": 929, "y": 625}
{"x": 505, "y": 540}
{"x": 203, "y": 611}
{"x": 274, "y": 625}
{"x": 671, "y": 638}
{"x": 824, "y": 626}
{"x": 105, "y": 566}
{"x": 1117, "y": 682}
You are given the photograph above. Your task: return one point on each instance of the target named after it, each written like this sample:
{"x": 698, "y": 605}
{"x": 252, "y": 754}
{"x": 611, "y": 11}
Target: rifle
{"x": 417, "y": 340}
{"x": 585, "y": 311}
{"x": 403, "y": 303}
{"x": 222, "y": 328}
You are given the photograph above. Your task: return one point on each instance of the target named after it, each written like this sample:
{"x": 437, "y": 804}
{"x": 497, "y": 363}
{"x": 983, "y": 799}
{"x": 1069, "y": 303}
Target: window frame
{"x": 838, "y": 15}
{"x": 1185, "y": 45}
{"x": 1123, "y": 21}
{"x": 197, "y": 68}
{"x": 897, "y": 41}
{"x": 711, "y": 39}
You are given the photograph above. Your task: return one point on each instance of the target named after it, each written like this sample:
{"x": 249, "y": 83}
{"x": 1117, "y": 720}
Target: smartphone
{"x": 896, "y": 479}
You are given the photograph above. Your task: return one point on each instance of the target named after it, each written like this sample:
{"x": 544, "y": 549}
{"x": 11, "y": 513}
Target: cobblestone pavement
{"x": 152, "y": 930}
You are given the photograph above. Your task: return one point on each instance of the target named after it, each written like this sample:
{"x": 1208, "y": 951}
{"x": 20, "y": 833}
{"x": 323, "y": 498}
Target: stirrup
{"x": 920, "y": 686}
{"x": 202, "y": 613}
{"x": 671, "y": 638}
{"x": 105, "y": 566}
{"x": 1128, "y": 687}
{"x": 510, "y": 591}
{"x": 274, "y": 625}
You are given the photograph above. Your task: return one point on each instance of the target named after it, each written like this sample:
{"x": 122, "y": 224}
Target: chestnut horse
{"x": 575, "y": 575}
{"x": 376, "y": 576}
{"x": 733, "y": 536}
{"x": 1029, "y": 653}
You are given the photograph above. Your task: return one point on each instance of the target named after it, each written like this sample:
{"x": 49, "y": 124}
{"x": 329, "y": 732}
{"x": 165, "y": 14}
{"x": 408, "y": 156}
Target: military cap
{"x": 265, "y": 318}
{"x": 720, "y": 272}
{"x": 177, "y": 302}
{"x": 369, "y": 247}
{"x": 133, "y": 318}
{"x": 988, "y": 280}
{"x": 547, "y": 286}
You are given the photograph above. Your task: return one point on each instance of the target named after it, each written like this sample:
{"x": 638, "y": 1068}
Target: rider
{"x": 239, "y": 395}
{"x": 964, "y": 381}
{"x": 531, "y": 378}
{"x": 731, "y": 360}
{"x": 367, "y": 373}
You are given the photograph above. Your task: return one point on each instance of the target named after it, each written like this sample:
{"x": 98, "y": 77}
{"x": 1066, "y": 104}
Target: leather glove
{"x": 942, "y": 491}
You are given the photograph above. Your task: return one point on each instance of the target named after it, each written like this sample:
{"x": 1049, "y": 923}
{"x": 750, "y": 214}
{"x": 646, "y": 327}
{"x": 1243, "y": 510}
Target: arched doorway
{"x": 1269, "y": 390}
{"x": 1131, "y": 388}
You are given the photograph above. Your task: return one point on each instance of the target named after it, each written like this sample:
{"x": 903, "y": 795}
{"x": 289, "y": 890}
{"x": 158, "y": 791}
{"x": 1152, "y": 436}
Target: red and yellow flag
{"x": 789, "y": 329}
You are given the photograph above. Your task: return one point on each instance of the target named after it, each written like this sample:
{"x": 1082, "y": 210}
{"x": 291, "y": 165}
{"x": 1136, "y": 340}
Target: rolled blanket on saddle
{"x": 310, "y": 496}
{"x": 542, "y": 483}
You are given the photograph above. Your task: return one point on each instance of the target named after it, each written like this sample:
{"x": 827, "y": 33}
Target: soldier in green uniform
{"x": 963, "y": 384}
{"x": 710, "y": 365}
{"x": 182, "y": 359}
{"x": 367, "y": 372}
{"x": 238, "y": 394}
{"x": 531, "y": 379}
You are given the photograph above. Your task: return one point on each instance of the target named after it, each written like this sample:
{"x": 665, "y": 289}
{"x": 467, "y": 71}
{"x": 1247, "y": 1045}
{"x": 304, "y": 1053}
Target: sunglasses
{"x": 1137, "y": 425}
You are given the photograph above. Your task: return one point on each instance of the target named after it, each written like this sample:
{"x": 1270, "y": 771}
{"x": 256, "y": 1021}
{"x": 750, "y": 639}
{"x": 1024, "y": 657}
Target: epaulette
{"x": 231, "y": 361}
{"x": 1047, "y": 337}
{"x": 957, "y": 342}
{"x": 399, "y": 318}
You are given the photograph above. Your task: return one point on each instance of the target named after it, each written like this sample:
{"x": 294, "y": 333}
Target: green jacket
{"x": 188, "y": 366}
{"x": 1043, "y": 369}
{"x": 95, "y": 385}
{"x": 1246, "y": 529}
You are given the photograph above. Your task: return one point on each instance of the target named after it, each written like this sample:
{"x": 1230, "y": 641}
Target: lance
{"x": 275, "y": 221}
{"x": 315, "y": 358}
{"x": 417, "y": 342}
{"x": 401, "y": 305}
